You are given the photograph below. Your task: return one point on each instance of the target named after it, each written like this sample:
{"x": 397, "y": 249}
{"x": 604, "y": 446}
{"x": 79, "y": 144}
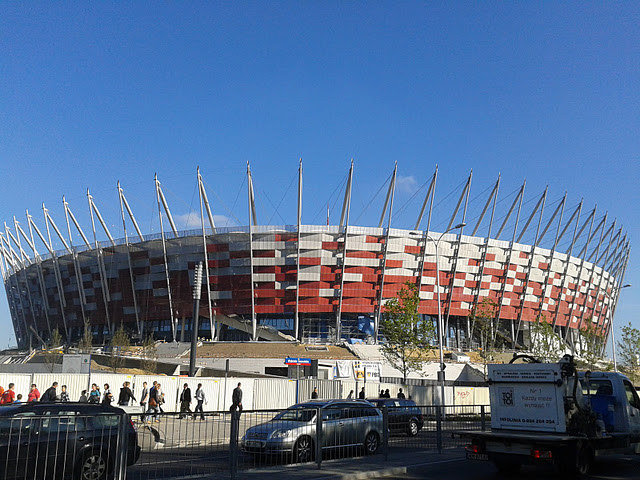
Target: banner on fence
{"x": 369, "y": 370}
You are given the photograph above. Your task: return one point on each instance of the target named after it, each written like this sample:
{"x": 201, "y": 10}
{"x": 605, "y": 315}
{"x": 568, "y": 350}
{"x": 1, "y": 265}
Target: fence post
{"x": 122, "y": 445}
{"x": 439, "y": 409}
{"x": 385, "y": 431}
{"x": 319, "y": 438}
{"x": 233, "y": 443}
{"x": 483, "y": 419}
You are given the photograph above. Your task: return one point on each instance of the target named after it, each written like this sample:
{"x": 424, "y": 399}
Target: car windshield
{"x": 296, "y": 414}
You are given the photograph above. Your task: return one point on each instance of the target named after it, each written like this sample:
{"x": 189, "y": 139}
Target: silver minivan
{"x": 345, "y": 423}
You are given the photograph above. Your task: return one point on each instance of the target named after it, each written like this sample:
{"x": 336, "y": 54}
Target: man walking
{"x": 50, "y": 395}
{"x": 144, "y": 399}
{"x": 236, "y": 399}
{"x": 185, "y": 401}
{"x": 314, "y": 394}
{"x": 200, "y": 398}
{"x": 9, "y": 396}
{"x": 361, "y": 394}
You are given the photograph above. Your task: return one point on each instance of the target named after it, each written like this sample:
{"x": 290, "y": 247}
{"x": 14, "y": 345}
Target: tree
{"x": 119, "y": 342}
{"x": 86, "y": 342}
{"x": 408, "y": 336}
{"x": 484, "y": 314}
{"x": 590, "y": 344}
{"x": 629, "y": 351}
{"x": 546, "y": 344}
{"x": 149, "y": 354}
{"x": 52, "y": 354}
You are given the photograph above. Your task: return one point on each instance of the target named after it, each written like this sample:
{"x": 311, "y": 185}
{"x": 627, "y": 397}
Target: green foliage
{"x": 591, "y": 344}
{"x": 408, "y": 337}
{"x": 119, "y": 342}
{"x": 546, "y": 344}
{"x": 149, "y": 354}
{"x": 629, "y": 351}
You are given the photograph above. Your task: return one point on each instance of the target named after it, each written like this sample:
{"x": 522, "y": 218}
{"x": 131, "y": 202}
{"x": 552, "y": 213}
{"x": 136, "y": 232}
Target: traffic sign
{"x": 297, "y": 361}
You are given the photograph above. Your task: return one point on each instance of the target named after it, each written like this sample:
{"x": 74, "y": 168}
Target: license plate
{"x": 477, "y": 456}
{"x": 254, "y": 443}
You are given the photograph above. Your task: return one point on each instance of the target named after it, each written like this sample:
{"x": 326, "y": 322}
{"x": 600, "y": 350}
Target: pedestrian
{"x": 350, "y": 396}
{"x": 19, "y": 399}
{"x": 50, "y": 395}
{"x": 9, "y": 396}
{"x": 154, "y": 402}
{"x": 200, "y": 398}
{"x": 185, "y": 401}
{"x": 107, "y": 396}
{"x": 236, "y": 399}
{"x": 361, "y": 394}
{"x": 144, "y": 400}
{"x": 34, "y": 394}
{"x": 314, "y": 394}
{"x": 387, "y": 394}
{"x": 64, "y": 395}
{"x": 400, "y": 394}
{"x": 94, "y": 394}
{"x": 84, "y": 398}
{"x": 126, "y": 395}
{"x": 160, "y": 397}
{"x": 381, "y": 393}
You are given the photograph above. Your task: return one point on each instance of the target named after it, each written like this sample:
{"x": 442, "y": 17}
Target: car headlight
{"x": 281, "y": 434}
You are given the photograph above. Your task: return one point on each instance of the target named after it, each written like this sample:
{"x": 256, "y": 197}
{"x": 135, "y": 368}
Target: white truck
{"x": 549, "y": 412}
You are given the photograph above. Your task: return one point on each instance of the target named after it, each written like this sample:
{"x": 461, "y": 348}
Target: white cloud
{"x": 190, "y": 221}
{"x": 406, "y": 184}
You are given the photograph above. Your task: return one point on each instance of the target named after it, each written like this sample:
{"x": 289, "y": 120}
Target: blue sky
{"x": 95, "y": 93}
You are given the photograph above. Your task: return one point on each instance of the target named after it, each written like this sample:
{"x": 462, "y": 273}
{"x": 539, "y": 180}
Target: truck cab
{"x": 615, "y": 401}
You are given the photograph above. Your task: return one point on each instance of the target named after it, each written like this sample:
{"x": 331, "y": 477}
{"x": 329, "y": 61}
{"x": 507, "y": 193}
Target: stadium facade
{"x": 318, "y": 283}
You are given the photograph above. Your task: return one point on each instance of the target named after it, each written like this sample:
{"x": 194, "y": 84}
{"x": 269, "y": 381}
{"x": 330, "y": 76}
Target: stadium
{"x": 319, "y": 284}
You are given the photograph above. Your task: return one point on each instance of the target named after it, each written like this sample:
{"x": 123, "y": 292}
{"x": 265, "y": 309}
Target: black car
{"x": 404, "y": 415}
{"x": 64, "y": 440}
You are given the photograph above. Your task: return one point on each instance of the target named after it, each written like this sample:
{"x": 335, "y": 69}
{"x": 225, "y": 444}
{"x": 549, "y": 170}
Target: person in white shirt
{"x": 200, "y": 398}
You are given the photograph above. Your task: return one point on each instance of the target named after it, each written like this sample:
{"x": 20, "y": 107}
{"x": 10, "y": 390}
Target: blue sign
{"x": 297, "y": 361}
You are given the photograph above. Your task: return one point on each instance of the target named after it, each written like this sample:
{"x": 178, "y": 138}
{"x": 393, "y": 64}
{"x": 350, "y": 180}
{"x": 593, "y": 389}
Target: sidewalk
{"x": 355, "y": 468}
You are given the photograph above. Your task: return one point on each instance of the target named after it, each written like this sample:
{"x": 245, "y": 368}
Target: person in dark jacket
{"x": 314, "y": 394}
{"x": 185, "y": 401}
{"x": 361, "y": 394}
{"x": 125, "y": 395}
{"x": 50, "y": 395}
{"x": 387, "y": 394}
{"x": 401, "y": 394}
{"x": 236, "y": 399}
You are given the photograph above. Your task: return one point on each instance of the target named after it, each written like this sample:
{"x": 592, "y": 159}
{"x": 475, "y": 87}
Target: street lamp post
{"x": 613, "y": 333}
{"x": 440, "y": 324}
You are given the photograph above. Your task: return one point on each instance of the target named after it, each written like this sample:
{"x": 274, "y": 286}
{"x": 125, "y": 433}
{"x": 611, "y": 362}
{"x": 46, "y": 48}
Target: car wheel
{"x": 371, "y": 443}
{"x": 93, "y": 466}
{"x": 413, "y": 428}
{"x": 303, "y": 450}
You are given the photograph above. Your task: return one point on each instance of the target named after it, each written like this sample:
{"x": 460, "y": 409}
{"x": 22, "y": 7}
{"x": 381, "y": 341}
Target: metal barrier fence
{"x": 68, "y": 445}
{"x": 157, "y": 445}
{"x": 177, "y": 445}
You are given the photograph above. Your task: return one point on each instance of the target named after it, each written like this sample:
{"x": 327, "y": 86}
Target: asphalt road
{"x": 605, "y": 468}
